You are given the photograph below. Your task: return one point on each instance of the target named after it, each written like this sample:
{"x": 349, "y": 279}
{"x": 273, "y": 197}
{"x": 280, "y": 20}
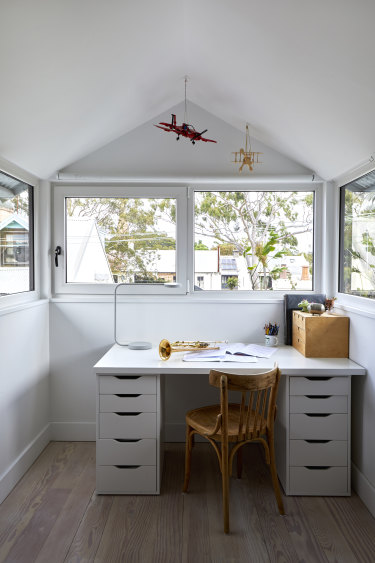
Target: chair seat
{"x": 203, "y": 420}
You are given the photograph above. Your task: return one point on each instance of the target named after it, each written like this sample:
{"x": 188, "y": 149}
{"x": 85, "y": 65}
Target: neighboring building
{"x": 14, "y": 254}
{"x": 87, "y": 260}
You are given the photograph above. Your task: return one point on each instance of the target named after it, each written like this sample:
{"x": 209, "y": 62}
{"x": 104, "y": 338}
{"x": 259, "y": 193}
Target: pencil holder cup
{"x": 270, "y": 340}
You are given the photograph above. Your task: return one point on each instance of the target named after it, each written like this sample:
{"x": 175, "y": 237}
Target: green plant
{"x": 232, "y": 283}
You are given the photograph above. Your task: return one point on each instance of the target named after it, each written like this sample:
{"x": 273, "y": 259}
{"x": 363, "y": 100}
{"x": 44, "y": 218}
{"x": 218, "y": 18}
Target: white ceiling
{"x": 75, "y": 75}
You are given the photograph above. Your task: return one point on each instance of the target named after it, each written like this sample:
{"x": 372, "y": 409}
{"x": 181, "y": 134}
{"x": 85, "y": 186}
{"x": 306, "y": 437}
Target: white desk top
{"x": 121, "y": 360}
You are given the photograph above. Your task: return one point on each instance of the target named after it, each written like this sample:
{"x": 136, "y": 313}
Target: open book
{"x": 235, "y": 352}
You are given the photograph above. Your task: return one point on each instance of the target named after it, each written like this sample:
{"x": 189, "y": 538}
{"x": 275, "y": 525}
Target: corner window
{"x": 254, "y": 240}
{"x": 357, "y": 237}
{"x": 16, "y": 236}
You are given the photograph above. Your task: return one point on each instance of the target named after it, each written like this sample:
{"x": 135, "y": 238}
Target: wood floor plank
{"x": 279, "y": 546}
{"x": 81, "y": 480}
{"x": 52, "y": 516}
{"x": 329, "y": 535}
{"x": 32, "y": 495}
{"x": 357, "y": 525}
{"x": 89, "y": 534}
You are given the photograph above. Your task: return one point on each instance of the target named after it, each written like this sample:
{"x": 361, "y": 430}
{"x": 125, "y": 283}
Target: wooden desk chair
{"x": 251, "y": 420}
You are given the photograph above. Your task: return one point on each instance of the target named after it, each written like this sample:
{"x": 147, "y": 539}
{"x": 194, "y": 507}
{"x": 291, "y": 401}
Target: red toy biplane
{"x": 184, "y": 130}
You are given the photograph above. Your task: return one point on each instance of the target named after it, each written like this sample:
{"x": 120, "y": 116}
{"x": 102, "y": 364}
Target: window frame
{"x": 261, "y": 295}
{"x": 62, "y": 191}
{"x": 184, "y": 195}
{"x": 348, "y": 298}
{"x": 31, "y": 294}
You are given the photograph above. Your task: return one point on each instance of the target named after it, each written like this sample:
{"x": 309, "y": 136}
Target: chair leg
{"x": 188, "y": 448}
{"x": 225, "y": 485}
{"x": 239, "y": 463}
{"x": 275, "y": 480}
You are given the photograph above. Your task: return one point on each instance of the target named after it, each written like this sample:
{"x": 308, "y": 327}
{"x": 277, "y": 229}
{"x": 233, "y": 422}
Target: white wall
{"x": 82, "y": 332}
{"x": 362, "y": 350}
{"x": 24, "y": 390}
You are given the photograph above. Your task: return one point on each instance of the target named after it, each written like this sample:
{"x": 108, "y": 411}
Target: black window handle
{"x": 57, "y": 254}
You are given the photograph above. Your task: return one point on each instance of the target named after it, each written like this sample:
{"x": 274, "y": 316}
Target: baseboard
{"x": 364, "y": 489}
{"x": 21, "y": 464}
{"x": 73, "y": 431}
{"x": 175, "y": 432}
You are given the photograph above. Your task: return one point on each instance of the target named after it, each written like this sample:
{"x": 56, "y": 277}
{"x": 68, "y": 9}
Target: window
{"x": 357, "y": 237}
{"x": 119, "y": 235}
{"x": 16, "y": 236}
{"x": 228, "y": 241}
{"x": 254, "y": 240}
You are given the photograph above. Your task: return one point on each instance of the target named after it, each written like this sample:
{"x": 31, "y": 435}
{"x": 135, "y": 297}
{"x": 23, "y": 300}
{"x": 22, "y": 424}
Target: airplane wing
{"x": 207, "y": 140}
{"x": 198, "y": 137}
{"x": 167, "y": 128}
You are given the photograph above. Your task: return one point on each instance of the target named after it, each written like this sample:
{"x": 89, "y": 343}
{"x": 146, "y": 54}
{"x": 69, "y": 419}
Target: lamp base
{"x": 139, "y": 345}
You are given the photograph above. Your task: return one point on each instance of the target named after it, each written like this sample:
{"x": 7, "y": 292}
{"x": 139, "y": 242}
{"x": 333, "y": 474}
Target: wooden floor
{"x": 53, "y": 515}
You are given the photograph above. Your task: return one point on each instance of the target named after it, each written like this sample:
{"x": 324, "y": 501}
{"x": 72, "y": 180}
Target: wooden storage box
{"x": 321, "y": 336}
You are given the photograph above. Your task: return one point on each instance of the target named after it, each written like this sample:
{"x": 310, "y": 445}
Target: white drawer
{"x": 110, "y": 384}
{"x": 319, "y": 404}
{"x": 118, "y": 452}
{"x": 318, "y": 481}
{"x": 319, "y": 385}
{"x": 127, "y": 403}
{"x": 113, "y": 425}
{"x": 307, "y": 427}
{"x": 125, "y": 480}
{"x": 332, "y": 452}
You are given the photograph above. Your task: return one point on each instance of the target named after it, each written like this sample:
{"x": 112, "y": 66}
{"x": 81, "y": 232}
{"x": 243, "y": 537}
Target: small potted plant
{"x": 329, "y": 303}
{"x": 304, "y": 304}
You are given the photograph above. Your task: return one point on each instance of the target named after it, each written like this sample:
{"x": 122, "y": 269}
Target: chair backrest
{"x": 258, "y": 400}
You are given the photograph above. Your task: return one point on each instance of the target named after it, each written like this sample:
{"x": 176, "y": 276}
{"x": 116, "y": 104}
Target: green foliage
{"x": 200, "y": 246}
{"x": 232, "y": 283}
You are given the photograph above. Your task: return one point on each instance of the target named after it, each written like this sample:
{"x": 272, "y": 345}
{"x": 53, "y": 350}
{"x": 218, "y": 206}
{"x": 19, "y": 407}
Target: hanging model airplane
{"x": 184, "y": 130}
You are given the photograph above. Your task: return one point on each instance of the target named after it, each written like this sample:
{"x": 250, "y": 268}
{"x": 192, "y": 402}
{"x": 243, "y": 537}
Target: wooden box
{"x": 321, "y": 336}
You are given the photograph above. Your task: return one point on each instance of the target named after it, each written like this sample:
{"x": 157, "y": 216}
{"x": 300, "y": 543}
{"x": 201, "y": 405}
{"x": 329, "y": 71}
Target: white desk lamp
{"x": 136, "y": 345}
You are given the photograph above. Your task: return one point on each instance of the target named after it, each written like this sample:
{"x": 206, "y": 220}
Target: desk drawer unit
{"x": 128, "y": 434}
{"x": 319, "y": 436}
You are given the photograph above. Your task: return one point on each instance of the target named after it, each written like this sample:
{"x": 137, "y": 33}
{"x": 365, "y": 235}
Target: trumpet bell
{"x": 165, "y": 349}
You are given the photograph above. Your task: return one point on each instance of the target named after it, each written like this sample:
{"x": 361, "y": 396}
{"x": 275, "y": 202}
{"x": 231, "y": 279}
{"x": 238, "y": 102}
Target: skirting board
{"x": 73, "y": 431}
{"x": 364, "y": 489}
{"x": 21, "y": 464}
{"x": 175, "y": 432}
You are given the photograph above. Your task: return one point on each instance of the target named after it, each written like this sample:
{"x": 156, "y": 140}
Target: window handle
{"x": 57, "y": 254}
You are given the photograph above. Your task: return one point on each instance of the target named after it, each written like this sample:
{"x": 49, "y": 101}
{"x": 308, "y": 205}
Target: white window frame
{"x": 346, "y": 301}
{"x": 16, "y": 300}
{"x": 260, "y": 295}
{"x": 63, "y": 191}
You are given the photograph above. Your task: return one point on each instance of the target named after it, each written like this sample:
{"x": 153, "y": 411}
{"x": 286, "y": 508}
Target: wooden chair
{"x": 251, "y": 420}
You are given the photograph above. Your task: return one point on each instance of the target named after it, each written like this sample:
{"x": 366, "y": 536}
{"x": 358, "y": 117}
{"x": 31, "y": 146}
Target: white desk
{"x": 312, "y": 426}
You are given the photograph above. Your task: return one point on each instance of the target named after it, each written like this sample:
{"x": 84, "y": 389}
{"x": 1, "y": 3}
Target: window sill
{"x": 22, "y": 306}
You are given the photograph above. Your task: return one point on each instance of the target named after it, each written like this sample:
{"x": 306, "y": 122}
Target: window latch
{"x": 57, "y": 254}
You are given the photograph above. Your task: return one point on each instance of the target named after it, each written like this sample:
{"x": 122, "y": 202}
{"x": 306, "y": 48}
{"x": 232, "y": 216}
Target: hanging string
{"x": 185, "y": 112}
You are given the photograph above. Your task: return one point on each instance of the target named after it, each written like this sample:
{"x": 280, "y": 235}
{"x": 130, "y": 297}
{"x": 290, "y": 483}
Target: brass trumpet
{"x": 167, "y": 348}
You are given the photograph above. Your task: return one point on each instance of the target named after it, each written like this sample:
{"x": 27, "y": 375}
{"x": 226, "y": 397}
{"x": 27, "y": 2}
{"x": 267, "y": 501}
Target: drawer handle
{"x": 317, "y": 467}
{"x": 127, "y": 394}
{"x": 317, "y": 414}
{"x": 128, "y": 413}
{"x": 322, "y": 378}
{"x": 124, "y": 440}
{"x": 127, "y": 466}
{"x": 317, "y": 441}
{"x": 318, "y": 396}
{"x": 127, "y": 376}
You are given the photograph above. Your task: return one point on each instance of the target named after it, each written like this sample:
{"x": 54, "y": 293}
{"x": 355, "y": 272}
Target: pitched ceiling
{"x": 76, "y": 75}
